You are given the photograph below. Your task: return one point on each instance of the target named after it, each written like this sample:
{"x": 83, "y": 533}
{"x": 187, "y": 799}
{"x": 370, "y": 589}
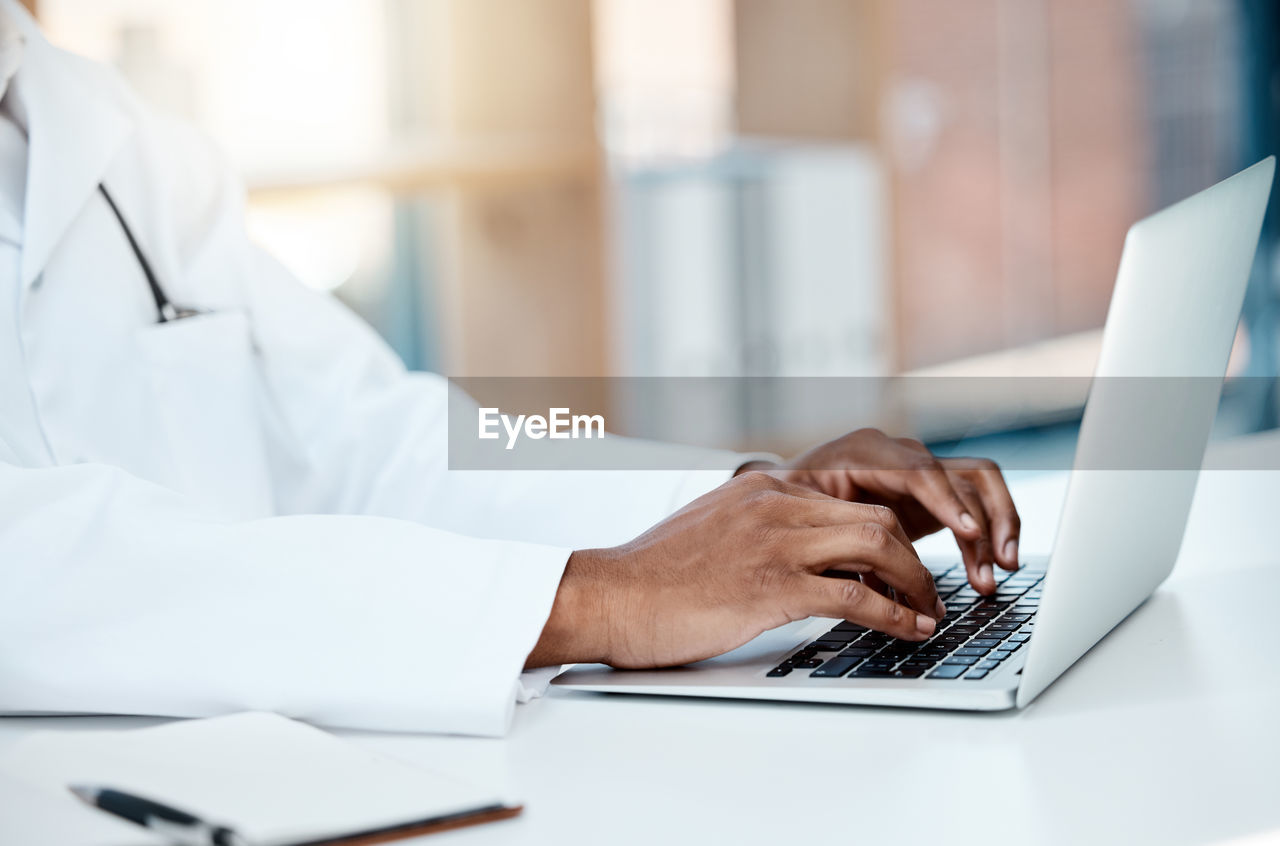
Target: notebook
{"x": 276, "y": 781}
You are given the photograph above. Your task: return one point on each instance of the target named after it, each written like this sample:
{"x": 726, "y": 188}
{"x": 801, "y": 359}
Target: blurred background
{"x": 797, "y": 188}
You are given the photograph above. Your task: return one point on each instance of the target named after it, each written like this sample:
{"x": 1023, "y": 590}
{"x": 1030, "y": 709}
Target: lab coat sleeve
{"x": 121, "y": 597}
{"x": 358, "y": 434}
{"x": 371, "y": 438}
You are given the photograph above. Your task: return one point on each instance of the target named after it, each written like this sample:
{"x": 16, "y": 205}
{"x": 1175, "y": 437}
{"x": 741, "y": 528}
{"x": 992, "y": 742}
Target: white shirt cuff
{"x": 533, "y": 684}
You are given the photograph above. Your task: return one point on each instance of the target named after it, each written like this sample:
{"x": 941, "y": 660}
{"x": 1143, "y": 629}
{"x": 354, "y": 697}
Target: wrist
{"x": 577, "y": 629}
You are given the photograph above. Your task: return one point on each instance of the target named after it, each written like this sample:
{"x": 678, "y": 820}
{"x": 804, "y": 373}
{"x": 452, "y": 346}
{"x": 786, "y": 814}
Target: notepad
{"x": 276, "y": 781}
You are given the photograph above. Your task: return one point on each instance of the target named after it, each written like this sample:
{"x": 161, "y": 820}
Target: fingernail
{"x": 1011, "y": 550}
{"x": 967, "y": 522}
{"x": 940, "y": 610}
{"x": 984, "y": 573}
{"x": 925, "y": 625}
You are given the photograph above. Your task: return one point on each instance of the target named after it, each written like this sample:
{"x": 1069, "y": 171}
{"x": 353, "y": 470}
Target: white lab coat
{"x": 251, "y": 508}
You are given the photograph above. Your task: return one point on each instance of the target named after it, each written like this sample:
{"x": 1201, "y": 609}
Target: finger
{"x": 1006, "y": 525}
{"x": 853, "y": 601}
{"x": 976, "y": 552}
{"x": 927, "y": 481}
{"x": 873, "y": 581}
{"x": 818, "y": 509}
{"x": 870, "y": 547}
{"x": 807, "y": 507}
{"x": 810, "y": 509}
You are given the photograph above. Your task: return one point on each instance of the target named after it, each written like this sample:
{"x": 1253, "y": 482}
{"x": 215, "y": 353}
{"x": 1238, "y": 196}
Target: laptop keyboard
{"x": 977, "y": 633}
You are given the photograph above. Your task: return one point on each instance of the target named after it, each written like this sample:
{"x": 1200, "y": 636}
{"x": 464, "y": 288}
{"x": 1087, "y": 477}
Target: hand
{"x": 966, "y": 495}
{"x": 741, "y": 560}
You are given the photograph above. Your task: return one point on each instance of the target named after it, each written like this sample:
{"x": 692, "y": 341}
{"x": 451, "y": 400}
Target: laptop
{"x": 1152, "y": 402}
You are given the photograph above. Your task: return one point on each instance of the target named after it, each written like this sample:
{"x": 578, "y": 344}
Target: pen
{"x": 176, "y": 826}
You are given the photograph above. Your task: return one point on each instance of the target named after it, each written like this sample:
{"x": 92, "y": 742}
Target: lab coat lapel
{"x": 74, "y": 129}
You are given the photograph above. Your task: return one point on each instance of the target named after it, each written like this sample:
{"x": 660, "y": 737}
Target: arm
{"x": 122, "y": 597}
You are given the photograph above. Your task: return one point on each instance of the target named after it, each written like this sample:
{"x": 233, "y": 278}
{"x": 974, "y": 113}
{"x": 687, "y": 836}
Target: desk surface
{"x": 1167, "y": 732}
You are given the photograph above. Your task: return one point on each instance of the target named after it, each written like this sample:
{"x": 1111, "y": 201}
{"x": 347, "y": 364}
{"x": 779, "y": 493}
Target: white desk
{"x": 1167, "y": 732}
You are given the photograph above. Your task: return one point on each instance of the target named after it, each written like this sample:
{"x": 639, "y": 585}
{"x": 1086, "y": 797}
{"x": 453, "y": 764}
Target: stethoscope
{"x": 165, "y": 310}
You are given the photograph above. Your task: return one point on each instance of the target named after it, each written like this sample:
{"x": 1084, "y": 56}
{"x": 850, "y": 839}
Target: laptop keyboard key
{"x": 778, "y": 672}
{"x": 836, "y": 667}
{"x": 916, "y": 665}
{"x": 878, "y": 663}
{"x": 871, "y": 673}
{"x": 948, "y": 671}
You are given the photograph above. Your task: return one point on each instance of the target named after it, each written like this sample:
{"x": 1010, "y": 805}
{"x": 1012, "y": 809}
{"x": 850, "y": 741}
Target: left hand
{"x": 966, "y": 495}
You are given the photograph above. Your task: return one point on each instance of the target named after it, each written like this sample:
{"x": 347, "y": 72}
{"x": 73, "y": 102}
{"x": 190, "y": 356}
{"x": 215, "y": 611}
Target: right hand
{"x": 741, "y": 560}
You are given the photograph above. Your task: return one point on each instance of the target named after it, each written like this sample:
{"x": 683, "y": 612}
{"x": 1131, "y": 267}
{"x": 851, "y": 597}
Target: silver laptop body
{"x": 1168, "y": 336}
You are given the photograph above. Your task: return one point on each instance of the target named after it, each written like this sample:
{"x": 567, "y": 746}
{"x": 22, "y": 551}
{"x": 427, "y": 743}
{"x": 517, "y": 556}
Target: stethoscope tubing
{"x": 166, "y": 311}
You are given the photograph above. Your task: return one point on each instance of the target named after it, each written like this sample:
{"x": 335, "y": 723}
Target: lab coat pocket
{"x": 207, "y": 394}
